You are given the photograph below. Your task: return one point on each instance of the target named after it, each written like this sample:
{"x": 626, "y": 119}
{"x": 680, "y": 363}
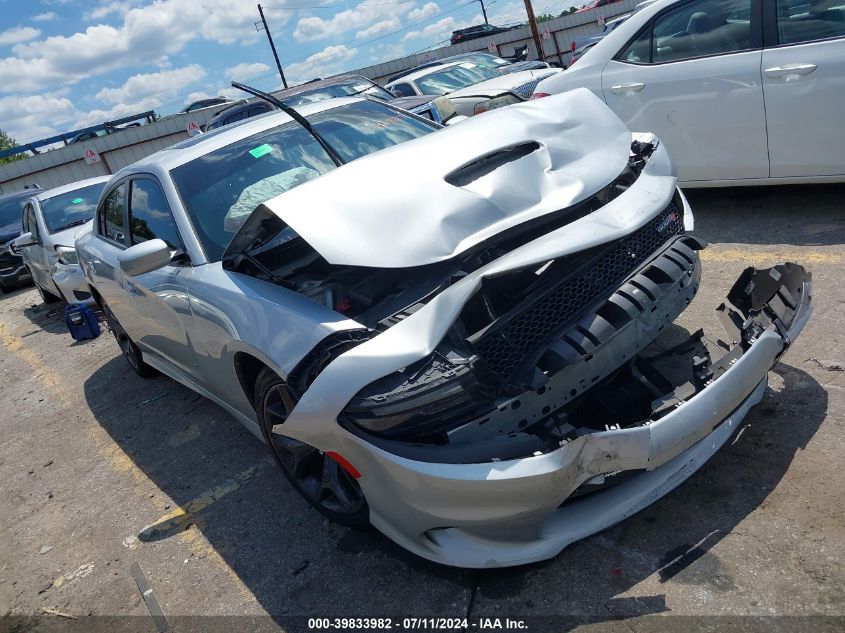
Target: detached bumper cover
{"x": 509, "y": 513}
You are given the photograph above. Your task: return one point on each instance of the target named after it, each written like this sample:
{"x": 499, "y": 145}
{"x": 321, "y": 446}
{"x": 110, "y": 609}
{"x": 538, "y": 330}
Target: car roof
{"x": 19, "y": 195}
{"x": 316, "y": 85}
{"x": 46, "y": 194}
{"x": 240, "y": 106}
{"x": 202, "y": 144}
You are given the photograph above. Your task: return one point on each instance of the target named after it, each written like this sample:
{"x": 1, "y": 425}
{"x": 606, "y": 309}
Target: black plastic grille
{"x": 504, "y": 348}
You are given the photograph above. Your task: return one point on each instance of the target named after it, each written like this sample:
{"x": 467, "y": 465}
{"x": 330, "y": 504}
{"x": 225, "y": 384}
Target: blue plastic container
{"x": 81, "y": 322}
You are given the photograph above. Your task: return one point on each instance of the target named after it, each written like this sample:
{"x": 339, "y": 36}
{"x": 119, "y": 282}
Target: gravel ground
{"x": 100, "y": 469}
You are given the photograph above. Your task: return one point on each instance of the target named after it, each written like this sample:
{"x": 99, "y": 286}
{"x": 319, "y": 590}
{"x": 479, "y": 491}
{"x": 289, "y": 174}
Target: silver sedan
{"x": 464, "y": 337}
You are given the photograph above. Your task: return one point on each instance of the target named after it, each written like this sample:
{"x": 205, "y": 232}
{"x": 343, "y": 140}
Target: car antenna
{"x": 296, "y": 116}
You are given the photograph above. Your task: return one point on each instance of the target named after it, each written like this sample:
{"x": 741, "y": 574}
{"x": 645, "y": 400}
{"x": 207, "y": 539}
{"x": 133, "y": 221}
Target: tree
{"x": 7, "y": 142}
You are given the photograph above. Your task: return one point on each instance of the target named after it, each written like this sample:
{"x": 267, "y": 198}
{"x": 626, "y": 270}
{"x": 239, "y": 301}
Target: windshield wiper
{"x": 71, "y": 224}
{"x": 296, "y": 116}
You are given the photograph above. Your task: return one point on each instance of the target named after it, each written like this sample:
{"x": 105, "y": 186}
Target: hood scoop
{"x": 429, "y": 199}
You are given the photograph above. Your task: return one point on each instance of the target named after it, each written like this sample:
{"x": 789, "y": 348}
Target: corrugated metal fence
{"x": 67, "y": 164}
{"x": 562, "y": 32}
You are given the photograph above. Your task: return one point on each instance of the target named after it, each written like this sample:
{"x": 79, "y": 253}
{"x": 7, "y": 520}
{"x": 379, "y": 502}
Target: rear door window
{"x": 810, "y": 20}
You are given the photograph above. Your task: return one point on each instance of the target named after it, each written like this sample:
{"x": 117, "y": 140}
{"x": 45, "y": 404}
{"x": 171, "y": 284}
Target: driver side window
{"x": 111, "y": 219}
{"x": 29, "y": 223}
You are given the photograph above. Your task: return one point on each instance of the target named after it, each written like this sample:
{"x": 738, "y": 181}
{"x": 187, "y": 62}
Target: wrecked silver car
{"x": 463, "y": 338}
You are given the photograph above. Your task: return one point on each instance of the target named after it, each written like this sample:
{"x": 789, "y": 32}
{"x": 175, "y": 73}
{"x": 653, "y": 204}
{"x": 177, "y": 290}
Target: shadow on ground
{"x": 798, "y": 215}
{"x": 296, "y": 563}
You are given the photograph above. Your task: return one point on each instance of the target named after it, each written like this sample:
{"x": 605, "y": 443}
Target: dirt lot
{"x": 100, "y": 469}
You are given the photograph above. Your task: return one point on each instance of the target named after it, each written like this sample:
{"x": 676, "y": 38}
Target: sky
{"x": 66, "y": 64}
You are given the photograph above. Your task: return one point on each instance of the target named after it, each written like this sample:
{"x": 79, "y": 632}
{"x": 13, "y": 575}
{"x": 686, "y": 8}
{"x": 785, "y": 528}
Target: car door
{"x": 160, "y": 314}
{"x": 103, "y": 266}
{"x": 804, "y": 87}
{"x": 692, "y": 76}
{"x": 35, "y": 256}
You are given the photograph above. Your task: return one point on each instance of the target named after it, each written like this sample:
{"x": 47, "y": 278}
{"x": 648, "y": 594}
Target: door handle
{"x": 789, "y": 71}
{"x": 630, "y": 88}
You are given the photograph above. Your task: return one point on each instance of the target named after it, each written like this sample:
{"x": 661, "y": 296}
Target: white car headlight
{"x": 67, "y": 255}
{"x": 496, "y": 102}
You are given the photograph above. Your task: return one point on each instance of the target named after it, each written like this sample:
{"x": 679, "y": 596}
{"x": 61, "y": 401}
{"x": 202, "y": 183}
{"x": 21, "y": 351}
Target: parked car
{"x": 52, "y": 221}
{"x": 340, "y": 86}
{"x": 205, "y": 103}
{"x": 476, "y": 32}
{"x": 238, "y": 112}
{"x": 472, "y": 88}
{"x": 739, "y": 96}
{"x": 13, "y": 272}
{"x": 462, "y": 338}
{"x": 594, "y": 4}
{"x": 484, "y": 59}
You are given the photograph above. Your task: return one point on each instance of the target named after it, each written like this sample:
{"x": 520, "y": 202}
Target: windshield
{"x": 340, "y": 89}
{"x": 71, "y": 208}
{"x": 10, "y": 210}
{"x": 441, "y": 82}
{"x": 221, "y": 189}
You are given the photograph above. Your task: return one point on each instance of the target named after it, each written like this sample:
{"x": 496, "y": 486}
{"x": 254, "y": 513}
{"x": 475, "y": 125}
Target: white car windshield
{"x": 72, "y": 208}
{"x": 221, "y": 189}
{"x": 441, "y": 82}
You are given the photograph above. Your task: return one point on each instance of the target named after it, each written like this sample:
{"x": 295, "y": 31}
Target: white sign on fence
{"x": 193, "y": 128}
{"x": 601, "y": 21}
{"x": 91, "y": 156}
{"x": 492, "y": 48}
{"x": 546, "y": 34}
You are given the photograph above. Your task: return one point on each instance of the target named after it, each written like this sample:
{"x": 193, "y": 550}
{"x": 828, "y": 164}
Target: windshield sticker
{"x": 261, "y": 150}
{"x": 77, "y": 200}
{"x": 468, "y": 65}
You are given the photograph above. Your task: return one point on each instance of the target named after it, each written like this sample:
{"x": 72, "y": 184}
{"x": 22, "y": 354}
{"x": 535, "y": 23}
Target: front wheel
{"x": 322, "y": 481}
{"x": 46, "y": 295}
{"x": 130, "y": 351}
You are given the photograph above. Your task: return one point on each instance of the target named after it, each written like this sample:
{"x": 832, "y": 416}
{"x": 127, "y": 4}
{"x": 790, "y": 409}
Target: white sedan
{"x": 472, "y": 88}
{"x": 742, "y": 92}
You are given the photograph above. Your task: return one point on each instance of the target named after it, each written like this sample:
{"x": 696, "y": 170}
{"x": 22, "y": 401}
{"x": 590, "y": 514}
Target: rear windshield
{"x": 340, "y": 89}
{"x": 444, "y": 81}
{"x": 72, "y": 208}
{"x": 221, "y": 189}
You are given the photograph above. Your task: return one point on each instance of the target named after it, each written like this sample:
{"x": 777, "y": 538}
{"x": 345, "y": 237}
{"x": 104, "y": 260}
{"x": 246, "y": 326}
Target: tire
{"x": 46, "y": 295}
{"x": 131, "y": 352}
{"x": 318, "y": 478}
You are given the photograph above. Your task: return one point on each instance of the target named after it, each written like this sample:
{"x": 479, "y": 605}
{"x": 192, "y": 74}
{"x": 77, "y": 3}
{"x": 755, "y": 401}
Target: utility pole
{"x": 273, "y": 46}
{"x": 532, "y": 22}
{"x": 484, "y": 11}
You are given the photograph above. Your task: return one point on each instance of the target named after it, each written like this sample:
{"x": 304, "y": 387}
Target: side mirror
{"x": 22, "y": 241}
{"x": 144, "y": 257}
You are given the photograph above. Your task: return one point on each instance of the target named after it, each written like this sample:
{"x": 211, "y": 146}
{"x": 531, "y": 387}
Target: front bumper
{"x": 13, "y": 272}
{"x": 510, "y": 513}
{"x": 71, "y": 283}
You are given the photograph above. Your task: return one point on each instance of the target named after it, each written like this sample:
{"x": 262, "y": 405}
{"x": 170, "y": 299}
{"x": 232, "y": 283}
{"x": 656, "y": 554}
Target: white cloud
{"x": 49, "y": 16}
{"x": 440, "y": 30}
{"x": 370, "y": 11}
{"x": 146, "y": 34}
{"x": 118, "y": 7}
{"x": 242, "y": 72}
{"x": 152, "y": 85}
{"x": 424, "y": 11}
{"x": 327, "y": 62}
{"x": 378, "y": 28}
{"x": 18, "y": 34}
{"x": 26, "y": 118}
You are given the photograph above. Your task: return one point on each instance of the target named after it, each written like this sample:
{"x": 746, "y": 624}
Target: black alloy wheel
{"x": 321, "y": 480}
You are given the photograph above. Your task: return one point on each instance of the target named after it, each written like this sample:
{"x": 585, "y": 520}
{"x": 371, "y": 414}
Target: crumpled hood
{"x": 498, "y": 85}
{"x": 395, "y": 208}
